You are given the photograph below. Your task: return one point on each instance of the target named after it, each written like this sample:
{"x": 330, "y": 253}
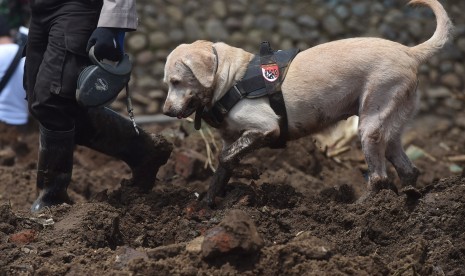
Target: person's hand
{"x": 106, "y": 42}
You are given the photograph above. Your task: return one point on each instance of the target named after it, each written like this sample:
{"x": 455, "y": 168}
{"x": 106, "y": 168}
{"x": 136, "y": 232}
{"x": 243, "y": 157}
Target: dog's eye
{"x": 175, "y": 82}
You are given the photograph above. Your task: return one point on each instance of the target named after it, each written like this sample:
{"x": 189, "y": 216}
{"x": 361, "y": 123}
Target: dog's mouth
{"x": 192, "y": 105}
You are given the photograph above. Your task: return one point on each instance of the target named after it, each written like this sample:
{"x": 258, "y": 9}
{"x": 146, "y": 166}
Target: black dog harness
{"x": 263, "y": 77}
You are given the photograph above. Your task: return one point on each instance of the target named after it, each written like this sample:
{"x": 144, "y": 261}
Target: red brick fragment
{"x": 23, "y": 237}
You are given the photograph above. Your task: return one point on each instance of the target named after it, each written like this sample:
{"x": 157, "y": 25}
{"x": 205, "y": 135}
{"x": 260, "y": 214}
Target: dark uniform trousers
{"x": 55, "y": 55}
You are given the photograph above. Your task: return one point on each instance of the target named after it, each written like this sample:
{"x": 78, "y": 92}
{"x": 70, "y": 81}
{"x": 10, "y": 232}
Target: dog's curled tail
{"x": 441, "y": 34}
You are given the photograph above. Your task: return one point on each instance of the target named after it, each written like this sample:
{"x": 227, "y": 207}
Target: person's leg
{"x": 54, "y": 57}
{"x": 54, "y": 167}
{"x": 105, "y": 131}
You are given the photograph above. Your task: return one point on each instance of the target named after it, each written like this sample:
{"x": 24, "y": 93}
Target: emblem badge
{"x": 101, "y": 85}
{"x": 270, "y": 72}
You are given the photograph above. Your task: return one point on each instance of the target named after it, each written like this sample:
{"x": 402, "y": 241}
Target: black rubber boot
{"x": 54, "y": 168}
{"x": 105, "y": 131}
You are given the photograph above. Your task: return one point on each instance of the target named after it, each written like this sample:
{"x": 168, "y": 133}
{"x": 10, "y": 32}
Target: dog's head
{"x": 190, "y": 75}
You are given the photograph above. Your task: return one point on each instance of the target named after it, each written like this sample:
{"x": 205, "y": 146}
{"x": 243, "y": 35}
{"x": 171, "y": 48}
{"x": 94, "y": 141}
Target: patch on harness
{"x": 270, "y": 72}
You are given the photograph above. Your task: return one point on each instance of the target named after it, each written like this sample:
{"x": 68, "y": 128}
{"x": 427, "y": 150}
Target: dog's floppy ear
{"x": 203, "y": 66}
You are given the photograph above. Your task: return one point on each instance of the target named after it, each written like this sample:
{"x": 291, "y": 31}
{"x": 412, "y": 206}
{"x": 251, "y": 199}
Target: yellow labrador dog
{"x": 373, "y": 78}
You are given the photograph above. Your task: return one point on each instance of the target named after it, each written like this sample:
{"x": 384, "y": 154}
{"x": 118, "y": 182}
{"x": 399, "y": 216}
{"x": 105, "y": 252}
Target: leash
{"x": 130, "y": 109}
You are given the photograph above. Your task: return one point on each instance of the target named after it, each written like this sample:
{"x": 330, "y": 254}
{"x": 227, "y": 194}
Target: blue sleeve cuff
{"x": 120, "y": 39}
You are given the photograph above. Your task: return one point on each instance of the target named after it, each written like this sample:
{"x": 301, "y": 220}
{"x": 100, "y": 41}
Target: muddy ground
{"x": 304, "y": 208}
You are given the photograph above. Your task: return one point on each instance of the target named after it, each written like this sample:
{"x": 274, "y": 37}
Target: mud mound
{"x": 153, "y": 234}
{"x": 303, "y": 207}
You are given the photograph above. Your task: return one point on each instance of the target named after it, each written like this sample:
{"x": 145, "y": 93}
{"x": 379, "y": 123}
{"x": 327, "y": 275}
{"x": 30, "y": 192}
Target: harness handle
{"x": 272, "y": 77}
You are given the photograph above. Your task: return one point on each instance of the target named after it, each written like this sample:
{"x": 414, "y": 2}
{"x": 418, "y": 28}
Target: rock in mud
{"x": 305, "y": 247}
{"x": 23, "y": 237}
{"x": 126, "y": 254}
{"x": 236, "y": 234}
{"x": 190, "y": 163}
{"x": 195, "y": 246}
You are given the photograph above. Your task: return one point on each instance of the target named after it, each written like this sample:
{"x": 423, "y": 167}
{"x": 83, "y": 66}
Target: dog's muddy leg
{"x": 218, "y": 184}
{"x": 406, "y": 171}
{"x": 248, "y": 142}
{"x": 229, "y": 159}
{"x": 374, "y": 146}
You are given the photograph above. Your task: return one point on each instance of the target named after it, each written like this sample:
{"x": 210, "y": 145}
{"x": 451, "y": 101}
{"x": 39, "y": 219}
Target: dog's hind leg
{"x": 395, "y": 153}
{"x": 385, "y": 108}
{"x": 405, "y": 169}
{"x": 373, "y": 146}
{"x": 377, "y": 121}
